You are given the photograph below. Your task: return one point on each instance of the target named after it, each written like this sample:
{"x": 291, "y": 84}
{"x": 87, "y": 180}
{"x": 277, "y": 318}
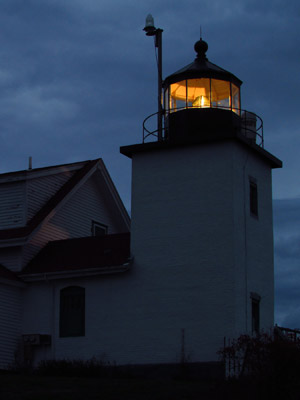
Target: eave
{"x": 82, "y": 273}
{"x": 202, "y": 139}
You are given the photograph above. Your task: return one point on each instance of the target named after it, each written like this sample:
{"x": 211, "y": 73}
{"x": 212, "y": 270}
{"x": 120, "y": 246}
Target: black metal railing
{"x": 251, "y": 125}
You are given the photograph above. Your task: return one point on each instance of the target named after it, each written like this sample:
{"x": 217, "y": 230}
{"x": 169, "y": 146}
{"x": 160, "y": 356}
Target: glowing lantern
{"x": 202, "y": 85}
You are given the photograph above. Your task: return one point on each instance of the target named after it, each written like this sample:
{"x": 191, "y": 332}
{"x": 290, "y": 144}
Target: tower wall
{"x": 253, "y": 238}
{"x": 197, "y": 251}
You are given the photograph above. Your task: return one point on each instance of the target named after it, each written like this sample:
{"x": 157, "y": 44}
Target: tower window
{"x": 99, "y": 229}
{"x": 72, "y": 312}
{"x": 253, "y": 198}
{"x": 255, "y": 300}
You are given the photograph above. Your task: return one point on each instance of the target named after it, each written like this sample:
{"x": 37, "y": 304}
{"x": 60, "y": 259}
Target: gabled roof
{"x": 34, "y": 172}
{"x": 33, "y": 223}
{"x": 94, "y": 252}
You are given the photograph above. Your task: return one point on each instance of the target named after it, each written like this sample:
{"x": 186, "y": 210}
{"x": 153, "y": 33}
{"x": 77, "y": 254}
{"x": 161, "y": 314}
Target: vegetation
{"x": 270, "y": 363}
{"x": 34, "y": 387}
{"x": 262, "y": 367}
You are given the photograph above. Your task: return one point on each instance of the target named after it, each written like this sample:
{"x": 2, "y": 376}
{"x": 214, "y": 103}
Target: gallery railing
{"x": 251, "y": 125}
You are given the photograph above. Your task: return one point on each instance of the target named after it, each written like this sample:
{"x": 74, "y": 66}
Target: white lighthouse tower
{"x": 202, "y": 234}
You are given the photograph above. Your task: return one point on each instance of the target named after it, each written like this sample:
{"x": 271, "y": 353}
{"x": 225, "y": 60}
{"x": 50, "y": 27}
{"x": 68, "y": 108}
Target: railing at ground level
{"x": 249, "y": 355}
{"x": 287, "y": 333}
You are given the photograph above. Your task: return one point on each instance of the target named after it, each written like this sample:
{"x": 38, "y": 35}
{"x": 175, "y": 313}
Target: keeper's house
{"x": 63, "y": 229}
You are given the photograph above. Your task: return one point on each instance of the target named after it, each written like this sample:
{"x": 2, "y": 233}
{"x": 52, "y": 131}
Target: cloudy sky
{"x": 77, "y": 78}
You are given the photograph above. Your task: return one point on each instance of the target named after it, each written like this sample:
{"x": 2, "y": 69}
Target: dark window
{"x": 98, "y": 229}
{"x": 72, "y": 312}
{"x": 253, "y": 198}
{"x": 255, "y": 316}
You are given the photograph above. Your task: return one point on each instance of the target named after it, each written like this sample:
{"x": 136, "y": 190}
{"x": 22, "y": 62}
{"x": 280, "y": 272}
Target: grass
{"x": 34, "y": 387}
{"x": 31, "y": 387}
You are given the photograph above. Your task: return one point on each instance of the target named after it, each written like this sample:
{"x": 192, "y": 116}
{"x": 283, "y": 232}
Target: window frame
{"x": 72, "y": 312}
{"x": 255, "y": 313}
{"x": 95, "y": 225}
{"x": 253, "y": 197}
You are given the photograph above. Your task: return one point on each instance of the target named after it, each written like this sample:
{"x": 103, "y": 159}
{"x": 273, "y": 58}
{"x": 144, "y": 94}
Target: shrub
{"x": 268, "y": 360}
{"x": 92, "y": 367}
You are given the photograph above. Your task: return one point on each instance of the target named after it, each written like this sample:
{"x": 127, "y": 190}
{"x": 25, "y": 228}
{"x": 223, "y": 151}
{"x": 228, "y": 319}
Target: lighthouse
{"x": 202, "y": 231}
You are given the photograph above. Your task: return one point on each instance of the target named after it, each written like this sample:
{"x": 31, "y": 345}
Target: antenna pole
{"x": 158, "y": 44}
{"x": 30, "y": 163}
{"x": 157, "y": 32}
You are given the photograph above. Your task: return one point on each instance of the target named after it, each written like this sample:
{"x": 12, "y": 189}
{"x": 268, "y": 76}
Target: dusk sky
{"x": 78, "y": 77}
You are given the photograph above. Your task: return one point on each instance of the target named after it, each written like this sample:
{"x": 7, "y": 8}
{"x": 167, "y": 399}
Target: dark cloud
{"x": 77, "y": 78}
{"x": 287, "y": 262}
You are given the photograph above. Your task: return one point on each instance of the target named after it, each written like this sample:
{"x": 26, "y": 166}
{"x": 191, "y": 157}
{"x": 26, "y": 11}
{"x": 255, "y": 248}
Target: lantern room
{"x": 202, "y": 85}
{"x": 201, "y": 98}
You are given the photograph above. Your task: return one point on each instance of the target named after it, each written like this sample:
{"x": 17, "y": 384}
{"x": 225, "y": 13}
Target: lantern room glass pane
{"x": 198, "y": 92}
{"x": 178, "y": 95}
{"x": 220, "y": 93}
{"x": 235, "y": 99}
{"x": 166, "y": 99}
{"x": 202, "y": 93}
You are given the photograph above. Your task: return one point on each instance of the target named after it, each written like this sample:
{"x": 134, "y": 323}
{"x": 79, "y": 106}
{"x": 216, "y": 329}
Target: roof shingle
{"x": 82, "y": 253}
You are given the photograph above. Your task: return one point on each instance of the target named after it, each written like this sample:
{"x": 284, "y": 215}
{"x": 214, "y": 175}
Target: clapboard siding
{"x": 11, "y": 258}
{"x": 40, "y": 190}
{"x": 30, "y": 310}
{"x": 74, "y": 219}
{"x": 10, "y": 323}
{"x": 88, "y": 204}
{"x": 39, "y": 321}
{"x": 12, "y": 205}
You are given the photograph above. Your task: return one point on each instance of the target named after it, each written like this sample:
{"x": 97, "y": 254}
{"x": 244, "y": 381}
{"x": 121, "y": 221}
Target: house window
{"x": 253, "y": 198}
{"x": 255, "y": 300}
{"x": 99, "y": 229}
{"x": 72, "y": 312}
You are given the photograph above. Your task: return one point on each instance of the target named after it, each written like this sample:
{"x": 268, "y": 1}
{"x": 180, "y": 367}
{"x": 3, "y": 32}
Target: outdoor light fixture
{"x": 157, "y": 32}
{"x": 201, "y": 101}
{"x": 149, "y": 27}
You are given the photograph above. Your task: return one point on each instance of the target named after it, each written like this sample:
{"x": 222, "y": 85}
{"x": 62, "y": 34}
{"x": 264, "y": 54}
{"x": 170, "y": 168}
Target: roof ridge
{"x": 29, "y": 171}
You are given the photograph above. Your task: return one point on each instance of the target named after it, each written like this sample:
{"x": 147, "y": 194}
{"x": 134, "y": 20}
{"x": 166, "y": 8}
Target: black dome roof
{"x": 201, "y": 68}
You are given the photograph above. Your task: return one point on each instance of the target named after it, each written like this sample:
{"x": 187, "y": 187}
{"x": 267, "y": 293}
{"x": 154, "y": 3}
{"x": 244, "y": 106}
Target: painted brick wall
{"x": 197, "y": 246}
{"x": 253, "y": 241}
{"x": 182, "y": 241}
